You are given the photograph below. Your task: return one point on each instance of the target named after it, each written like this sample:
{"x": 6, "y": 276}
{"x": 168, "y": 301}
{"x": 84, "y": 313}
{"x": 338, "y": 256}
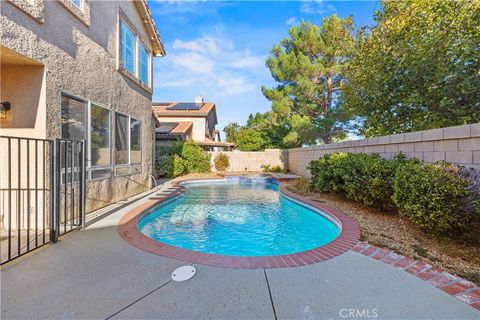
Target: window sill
{"x": 130, "y": 170}
{"x": 81, "y": 14}
{"x": 134, "y": 79}
{"x": 34, "y": 9}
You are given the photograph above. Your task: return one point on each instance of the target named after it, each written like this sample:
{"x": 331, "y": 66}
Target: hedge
{"x": 437, "y": 197}
{"x": 179, "y": 158}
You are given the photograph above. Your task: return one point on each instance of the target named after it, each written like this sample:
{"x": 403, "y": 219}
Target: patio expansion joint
{"x": 270, "y": 294}
{"x": 138, "y": 300}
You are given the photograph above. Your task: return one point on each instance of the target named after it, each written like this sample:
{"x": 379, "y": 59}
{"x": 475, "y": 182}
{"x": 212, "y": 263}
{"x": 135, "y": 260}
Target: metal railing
{"x": 30, "y": 189}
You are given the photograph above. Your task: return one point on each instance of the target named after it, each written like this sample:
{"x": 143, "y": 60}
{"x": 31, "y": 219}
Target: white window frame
{"x": 128, "y": 165}
{"x": 122, "y": 19}
{"x": 89, "y": 166}
{"x": 149, "y": 59}
{"x": 134, "y": 53}
{"x": 130, "y": 141}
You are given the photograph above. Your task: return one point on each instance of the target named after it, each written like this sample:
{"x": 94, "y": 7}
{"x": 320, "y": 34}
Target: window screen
{"x": 121, "y": 139}
{"x": 99, "y": 136}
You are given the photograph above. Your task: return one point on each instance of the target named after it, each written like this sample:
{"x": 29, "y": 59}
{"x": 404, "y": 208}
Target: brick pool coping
{"x": 457, "y": 287}
{"x": 347, "y": 239}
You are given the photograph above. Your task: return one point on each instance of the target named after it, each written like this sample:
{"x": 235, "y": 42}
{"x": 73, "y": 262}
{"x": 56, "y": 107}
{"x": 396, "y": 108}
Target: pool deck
{"x": 95, "y": 274}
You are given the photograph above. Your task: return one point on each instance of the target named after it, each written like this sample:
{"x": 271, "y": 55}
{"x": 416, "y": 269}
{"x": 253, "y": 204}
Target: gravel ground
{"x": 388, "y": 230}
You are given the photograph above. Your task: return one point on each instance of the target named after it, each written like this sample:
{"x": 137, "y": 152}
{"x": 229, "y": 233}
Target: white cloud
{"x": 203, "y": 44}
{"x": 194, "y": 62}
{"x": 291, "y": 21}
{"x": 211, "y": 63}
{"x": 234, "y": 84}
{"x": 248, "y": 61}
{"x": 316, "y": 7}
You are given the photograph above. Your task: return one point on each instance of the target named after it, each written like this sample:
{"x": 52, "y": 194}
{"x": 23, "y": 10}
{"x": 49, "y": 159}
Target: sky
{"x": 217, "y": 49}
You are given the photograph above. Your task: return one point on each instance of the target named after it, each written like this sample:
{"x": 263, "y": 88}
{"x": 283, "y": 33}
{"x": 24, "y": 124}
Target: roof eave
{"x": 157, "y": 44}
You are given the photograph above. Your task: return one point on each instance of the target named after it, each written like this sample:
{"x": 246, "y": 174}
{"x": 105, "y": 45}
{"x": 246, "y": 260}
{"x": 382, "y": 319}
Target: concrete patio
{"x": 94, "y": 274}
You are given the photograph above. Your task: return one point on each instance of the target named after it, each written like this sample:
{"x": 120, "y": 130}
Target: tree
{"x": 231, "y": 131}
{"x": 273, "y": 127}
{"x": 260, "y": 125}
{"x": 417, "y": 69}
{"x": 308, "y": 65}
{"x": 251, "y": 140}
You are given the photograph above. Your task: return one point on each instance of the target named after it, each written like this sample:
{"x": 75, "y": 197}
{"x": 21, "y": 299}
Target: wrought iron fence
{"x": 33, "y": 181}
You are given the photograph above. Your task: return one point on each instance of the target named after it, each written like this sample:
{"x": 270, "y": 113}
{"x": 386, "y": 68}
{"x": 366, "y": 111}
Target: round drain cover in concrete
{"x": 183, "y": 273}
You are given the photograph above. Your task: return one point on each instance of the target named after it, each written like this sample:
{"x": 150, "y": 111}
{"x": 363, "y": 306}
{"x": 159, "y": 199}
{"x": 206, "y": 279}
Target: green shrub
{"x": 194, "y": 158}
{"x": 178, "y": 168}
{"x": 269, "y": 168}
{"x": 366, "y": 178}
{"x": 440, "y": 198}
{"x": 180, "y": 158}
{"x": 221, "y": 162}
{"x": 435, "y": 197}
{"x": 164, "y": 165}
{"x": 327, "y": 174}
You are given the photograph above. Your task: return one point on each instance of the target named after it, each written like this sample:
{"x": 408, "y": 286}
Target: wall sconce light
{"x": 4, "y": 107}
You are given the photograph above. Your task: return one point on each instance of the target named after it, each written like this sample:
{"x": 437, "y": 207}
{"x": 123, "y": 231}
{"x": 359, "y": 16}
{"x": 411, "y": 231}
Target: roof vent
{"x": 198, "y": 99}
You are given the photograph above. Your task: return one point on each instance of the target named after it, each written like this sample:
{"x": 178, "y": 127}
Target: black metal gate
{"x": 42, "y": 192}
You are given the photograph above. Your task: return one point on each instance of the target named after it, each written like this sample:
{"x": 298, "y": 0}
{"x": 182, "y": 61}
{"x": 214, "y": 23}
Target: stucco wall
{"x": 241, "y": 161}
{"x": 25, "y": 88}
{"x": 457, "y": 145}
{"x": 81, "y": 59}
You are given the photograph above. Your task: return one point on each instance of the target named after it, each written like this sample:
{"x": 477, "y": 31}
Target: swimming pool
{"x": 238, "y": 217}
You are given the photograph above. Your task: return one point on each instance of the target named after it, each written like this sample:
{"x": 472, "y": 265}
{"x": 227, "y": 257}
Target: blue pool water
{"x": 239, "y": 219}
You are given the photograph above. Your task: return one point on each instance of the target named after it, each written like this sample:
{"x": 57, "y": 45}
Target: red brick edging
{"x": 460, "y": 288}
{"x": 349, "y": 236}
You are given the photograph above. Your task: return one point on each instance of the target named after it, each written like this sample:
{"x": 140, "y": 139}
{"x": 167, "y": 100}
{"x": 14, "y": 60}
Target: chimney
{"x": 198, "y": 99}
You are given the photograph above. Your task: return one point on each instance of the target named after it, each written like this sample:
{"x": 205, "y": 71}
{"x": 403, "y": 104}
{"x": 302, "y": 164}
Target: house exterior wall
{"x": 198, "y": 125}
{"x": 457, "y": 145}
{"x": 210, "y": 125}
{"x": 79, "y": 55}
{"x": 241, "y": 161}
{"x": 24, "y": 85}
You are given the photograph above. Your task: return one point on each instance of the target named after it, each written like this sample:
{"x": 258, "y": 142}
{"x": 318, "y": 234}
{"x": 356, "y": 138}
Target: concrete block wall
{"x": 458, "y": 145}
{"x": 241, "y": 161}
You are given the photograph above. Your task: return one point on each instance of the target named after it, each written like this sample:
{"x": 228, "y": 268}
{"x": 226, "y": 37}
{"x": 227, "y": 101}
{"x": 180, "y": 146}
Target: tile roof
{"x": 162, "y": 109}
{"x": 170, "y": 129}
{"x": 158, "y": 48}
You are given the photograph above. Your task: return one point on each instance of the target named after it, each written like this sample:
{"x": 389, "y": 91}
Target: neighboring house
{"x": 195, "y": 121}
{"x": 82, "y": 70}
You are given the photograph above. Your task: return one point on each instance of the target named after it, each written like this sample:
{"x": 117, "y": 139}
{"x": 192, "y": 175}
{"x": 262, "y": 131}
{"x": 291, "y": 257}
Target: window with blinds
{"x": 128, "y": 48}
{"x": 134, "y": 54}
{"x": 143, "y": 65}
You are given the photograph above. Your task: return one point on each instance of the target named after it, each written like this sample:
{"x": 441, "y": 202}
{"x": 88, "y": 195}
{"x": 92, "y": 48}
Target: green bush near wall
{"x": 366, "y": 178}
{"x": 221, "y": 162}
{"x": 179, "y": 158}
{"x": 434, "y": 196}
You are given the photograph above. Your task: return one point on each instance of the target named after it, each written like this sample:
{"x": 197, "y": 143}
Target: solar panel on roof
{"x": 186, "y": 106}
